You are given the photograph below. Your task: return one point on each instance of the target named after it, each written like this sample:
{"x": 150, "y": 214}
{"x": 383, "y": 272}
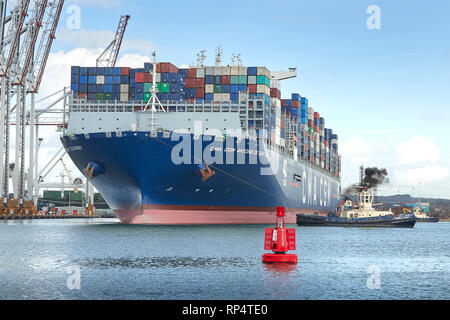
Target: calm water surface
{"x": 219, "y": 262}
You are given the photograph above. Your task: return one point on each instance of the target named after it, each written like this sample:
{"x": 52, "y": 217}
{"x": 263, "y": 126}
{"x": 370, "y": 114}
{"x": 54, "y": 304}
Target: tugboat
{"x": 362, "y": 216}
{"x": 420, "y": 215}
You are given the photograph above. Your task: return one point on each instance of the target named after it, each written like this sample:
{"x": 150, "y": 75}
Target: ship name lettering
{"x": 75, "y": 148}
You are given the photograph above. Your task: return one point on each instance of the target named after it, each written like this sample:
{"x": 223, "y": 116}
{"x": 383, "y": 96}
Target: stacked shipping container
{"x": 289, "y": 123}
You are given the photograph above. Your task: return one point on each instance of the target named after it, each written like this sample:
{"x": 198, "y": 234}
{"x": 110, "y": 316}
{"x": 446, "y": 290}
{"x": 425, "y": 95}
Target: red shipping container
{"x": 283, "y": 103}
{"x": 225, "y": 79}
{"x": 148, "y": 77}
{"x": 310, "y": 123}
{"x": 158, "y": 67}
{"x": 139, "y": 77}
{"x": 82, "y": 95}
{"x": 199, "y": 82}
{"x": 200, "y": 92}
{"x": 316, "y": 115}
{"x": 283, "y": 126}
{"x": 190, "y": 83}
{"x": 295, "y": 103}
{"x": 173, "y": 69}
{"x": 124, "y": 71}
{"x": 252, "y": 88}
{"x": 275, "y": 93}
{"x": 192, "y": 73}
{"x": 165, "y": 66}
{"x": 316, "y": 128}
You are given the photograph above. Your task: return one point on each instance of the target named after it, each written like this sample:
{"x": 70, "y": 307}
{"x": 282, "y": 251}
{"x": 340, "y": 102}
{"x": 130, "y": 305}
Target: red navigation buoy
{"x": 279, "y": 240}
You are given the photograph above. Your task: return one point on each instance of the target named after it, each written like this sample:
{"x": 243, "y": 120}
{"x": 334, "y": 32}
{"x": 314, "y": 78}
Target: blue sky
{"x": 385, "y": 92}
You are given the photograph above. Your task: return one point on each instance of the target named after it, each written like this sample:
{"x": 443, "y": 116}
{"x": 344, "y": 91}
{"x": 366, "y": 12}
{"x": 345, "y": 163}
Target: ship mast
{"x": 154, "y": 99}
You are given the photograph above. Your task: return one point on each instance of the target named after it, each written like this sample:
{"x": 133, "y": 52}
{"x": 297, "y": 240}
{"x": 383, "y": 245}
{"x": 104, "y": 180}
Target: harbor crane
{"x": 72, "y": 181}
{"x": 108, "y": 57}
{"x": 26, "y": 39}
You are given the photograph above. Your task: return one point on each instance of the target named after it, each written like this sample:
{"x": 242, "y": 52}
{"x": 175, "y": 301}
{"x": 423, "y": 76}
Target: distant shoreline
{"x": 444, "y": 220}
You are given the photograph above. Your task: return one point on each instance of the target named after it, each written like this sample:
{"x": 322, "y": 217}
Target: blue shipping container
{"x": 251, "y": 71}
{"x": 75, "y": 70}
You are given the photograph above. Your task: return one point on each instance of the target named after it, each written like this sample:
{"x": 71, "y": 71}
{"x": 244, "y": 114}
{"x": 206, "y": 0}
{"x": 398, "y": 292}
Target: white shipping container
{"x": 242, "y": 71}
{"x": 209, "y": 88}
{"x": 275, "y": 83}
{"x": 200, "y": 72}
{"x": 124, "y": 88}
{"x": 217, "y": 97}
{"x": 275, "y": 102}
{"x": 267, "y": 90}
{"x": 124, "y": 96}
{"x": 209, "y": 71}
{"x": 234, "y": 71}
{"x": 263, "y": 71}
{"x": 282, "y": 142}
{"x": 225, "y": 97}
{"x": 158, "y": 77}
{"x": 243, "y": 96}
{"x": 100, "y": 79}
{"x": 218, "y": 71}
{"x": 260, "y": 88}
{"x": 251, "y": 79}
{"x": 226, "y": 71}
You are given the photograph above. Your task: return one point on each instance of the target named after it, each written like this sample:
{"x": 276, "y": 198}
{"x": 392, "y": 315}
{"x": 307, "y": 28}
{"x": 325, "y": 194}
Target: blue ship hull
{"x": 136, "y": 175}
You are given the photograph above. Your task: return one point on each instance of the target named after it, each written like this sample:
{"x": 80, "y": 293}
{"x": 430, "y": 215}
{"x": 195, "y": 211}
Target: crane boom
{"x": 26, "y": 49}
{"x": 66, "y": 170}
{"x": 45, "y": 44}
{"x": 108, "y": 57}
{"x": 10, "y": 42}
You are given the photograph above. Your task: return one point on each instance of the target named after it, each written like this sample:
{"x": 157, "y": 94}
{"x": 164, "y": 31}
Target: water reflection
{"x": 280, "y": 268}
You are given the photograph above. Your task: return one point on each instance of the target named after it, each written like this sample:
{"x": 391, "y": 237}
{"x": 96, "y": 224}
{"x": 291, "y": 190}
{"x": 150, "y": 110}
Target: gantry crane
{"x": 108, "y": 57}
{"x": 23, "y": 66}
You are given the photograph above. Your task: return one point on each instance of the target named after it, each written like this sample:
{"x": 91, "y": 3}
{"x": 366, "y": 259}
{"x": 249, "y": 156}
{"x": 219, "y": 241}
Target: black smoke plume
{"x": 373, "y": 177}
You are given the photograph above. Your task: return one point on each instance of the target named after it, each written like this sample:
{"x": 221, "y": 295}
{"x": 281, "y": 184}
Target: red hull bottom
{"x": 175, "y": 215}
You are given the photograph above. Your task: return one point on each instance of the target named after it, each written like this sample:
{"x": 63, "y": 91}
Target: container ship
{"x": 200, "y": 145}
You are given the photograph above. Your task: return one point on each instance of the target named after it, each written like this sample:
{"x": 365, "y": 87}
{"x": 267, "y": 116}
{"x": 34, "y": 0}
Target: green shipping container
{"x": 108, "y": 96}
{"x": 242, "y": 79}
{"x": 147, "y": 96}
{"x": 100, "y": 96}
{"x": 261, "y": 80}
{"x": 234, "y": 80}
{"x": 267, "y": 82}
{"x": 148, "y": 87}
{"x": 164, "y": 87}
{"x": 217, "y": 88}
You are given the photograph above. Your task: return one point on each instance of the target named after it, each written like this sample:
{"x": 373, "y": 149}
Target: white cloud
{"x": 424, "y": 175}
{"x": 133, "y": 60}
{"x": 94, "y": 39}
{"x": 355, "y": 150}
{"x": 418, "y": 150}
